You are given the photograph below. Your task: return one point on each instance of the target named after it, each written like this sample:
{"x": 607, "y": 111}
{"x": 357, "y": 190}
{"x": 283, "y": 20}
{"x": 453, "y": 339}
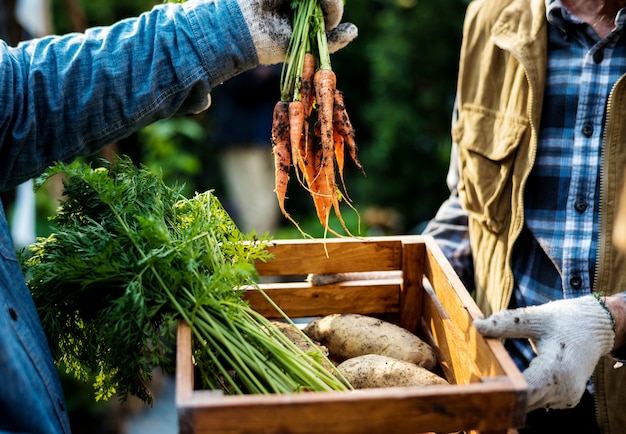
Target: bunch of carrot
{"x": 314, "y": 148}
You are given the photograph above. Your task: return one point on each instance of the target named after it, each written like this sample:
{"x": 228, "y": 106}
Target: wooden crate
{"x": 487, "y": 394}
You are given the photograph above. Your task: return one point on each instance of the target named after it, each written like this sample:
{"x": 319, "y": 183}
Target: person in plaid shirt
{"x": 536, "y": 165}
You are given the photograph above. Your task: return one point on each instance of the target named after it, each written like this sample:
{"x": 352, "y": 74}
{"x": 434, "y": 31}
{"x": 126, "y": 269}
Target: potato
{"x": 295, "y": 336}
{"x": 371, "y": 371}
{"x": 351, "y": 335}
{"x": 300, "y": 341}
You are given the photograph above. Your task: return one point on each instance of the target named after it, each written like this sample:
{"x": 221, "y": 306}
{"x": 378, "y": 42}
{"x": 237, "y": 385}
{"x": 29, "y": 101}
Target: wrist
{"x": 617, "y": 306}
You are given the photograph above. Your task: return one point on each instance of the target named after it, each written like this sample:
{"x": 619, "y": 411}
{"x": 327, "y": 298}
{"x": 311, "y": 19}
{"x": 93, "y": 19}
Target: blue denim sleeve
{"x": 65, "y": 96}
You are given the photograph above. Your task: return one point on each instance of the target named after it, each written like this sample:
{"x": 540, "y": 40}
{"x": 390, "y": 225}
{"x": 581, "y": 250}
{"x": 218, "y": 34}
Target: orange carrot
{"x": 280, "y": 149}
{"x": 307, "y": 97}
{"x": 326, "y": 197}
{"x": 306, "y": 88}
{"x": 296, "y": 134}
{"x": 325, "y": 83}
{"x": 343, "y": 126}
{"x": 339, "y": 157}
{"x": 320, "y": 190}
{"x": 310, "y": 168}
{"x": 282, "y": 156}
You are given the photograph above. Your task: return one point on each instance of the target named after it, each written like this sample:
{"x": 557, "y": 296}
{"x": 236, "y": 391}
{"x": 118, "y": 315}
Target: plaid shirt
{"x": 555, "y": 256}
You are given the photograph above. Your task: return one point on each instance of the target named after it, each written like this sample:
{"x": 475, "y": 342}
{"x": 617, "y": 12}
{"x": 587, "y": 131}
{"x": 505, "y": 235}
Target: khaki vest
{"x": 500, "y": 92}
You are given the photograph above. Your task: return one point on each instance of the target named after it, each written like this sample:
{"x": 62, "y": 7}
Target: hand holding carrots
{"x": 270, "y": 27}
{"x": 309, "y": 87}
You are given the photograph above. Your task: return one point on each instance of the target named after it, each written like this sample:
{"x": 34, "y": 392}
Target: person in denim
{"x": 67, "y": 96}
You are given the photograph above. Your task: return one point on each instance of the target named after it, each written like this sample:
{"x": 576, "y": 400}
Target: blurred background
{"x": 398, "y": 78}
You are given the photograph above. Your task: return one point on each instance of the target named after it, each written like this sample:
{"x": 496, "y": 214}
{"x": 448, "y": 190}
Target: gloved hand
{"x": 270, "y": 27}
{"x": 569, "y": 337}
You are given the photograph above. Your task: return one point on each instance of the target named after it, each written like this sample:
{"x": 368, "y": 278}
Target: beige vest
{"x": 500, "y": 92}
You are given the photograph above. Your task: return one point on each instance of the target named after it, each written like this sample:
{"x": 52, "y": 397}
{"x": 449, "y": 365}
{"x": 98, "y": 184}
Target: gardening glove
{"x": 269, "y": 24}
{"x": 569, "y": 337}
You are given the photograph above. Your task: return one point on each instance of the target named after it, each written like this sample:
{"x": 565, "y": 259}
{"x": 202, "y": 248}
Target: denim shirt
{"x": 62, "y": 97}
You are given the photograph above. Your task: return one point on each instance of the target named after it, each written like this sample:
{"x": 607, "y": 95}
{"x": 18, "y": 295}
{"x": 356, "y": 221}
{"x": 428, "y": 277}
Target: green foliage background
{"x": 398, "y": 78}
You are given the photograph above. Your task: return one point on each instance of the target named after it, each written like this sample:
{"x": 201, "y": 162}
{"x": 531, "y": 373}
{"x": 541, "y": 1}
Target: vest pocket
{"x": 487, "y": 143}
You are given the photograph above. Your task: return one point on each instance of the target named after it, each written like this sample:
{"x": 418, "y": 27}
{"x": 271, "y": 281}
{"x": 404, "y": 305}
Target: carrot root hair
{"x": 343, "y": 126}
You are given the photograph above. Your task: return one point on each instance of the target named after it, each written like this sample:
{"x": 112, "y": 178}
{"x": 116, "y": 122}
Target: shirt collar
{"x": 558, "y": 15}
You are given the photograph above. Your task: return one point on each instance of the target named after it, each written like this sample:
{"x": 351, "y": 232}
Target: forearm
{"x": 68, "y": 96}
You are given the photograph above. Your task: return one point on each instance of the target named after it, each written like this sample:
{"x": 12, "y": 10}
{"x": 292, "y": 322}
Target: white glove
{"x": 270, "y": 27}
{"x": 569, "y": 337}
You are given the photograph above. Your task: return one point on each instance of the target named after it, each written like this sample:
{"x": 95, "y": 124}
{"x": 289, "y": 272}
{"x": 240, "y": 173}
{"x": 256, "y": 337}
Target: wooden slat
{"x": 331, "y": 256}
{"x": 299, "y": 299}
{"x": 462, "y": 310}
{"x": 412, "y": 291}
{"x": 488, "y": 356}
{"x": 388, "y": 410}
{"x": 453, "y": 346}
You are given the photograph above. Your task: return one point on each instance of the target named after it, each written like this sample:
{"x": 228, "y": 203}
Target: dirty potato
{"x": 295, "y": 336}
{"x": 351, "y": 335}
{"x": 372, "y": 371}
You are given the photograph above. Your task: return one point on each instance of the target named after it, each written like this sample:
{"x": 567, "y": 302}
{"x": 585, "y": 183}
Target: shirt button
{"x": 576, "y": 281}
{"x": 587, "y": 130}
{"x": 60, "y": 404}
{"x": 598, "y": 56}
{"x": 13, "y": 314}
{"x": 580, "y": 206}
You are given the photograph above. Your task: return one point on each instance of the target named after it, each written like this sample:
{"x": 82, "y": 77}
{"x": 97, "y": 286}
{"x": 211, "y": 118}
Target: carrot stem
{"x": 291, "y": 76}
{"x": 320, "y": 35}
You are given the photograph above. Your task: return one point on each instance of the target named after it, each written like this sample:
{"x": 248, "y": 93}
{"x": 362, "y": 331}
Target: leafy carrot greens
{"x": 130, "y": 256}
